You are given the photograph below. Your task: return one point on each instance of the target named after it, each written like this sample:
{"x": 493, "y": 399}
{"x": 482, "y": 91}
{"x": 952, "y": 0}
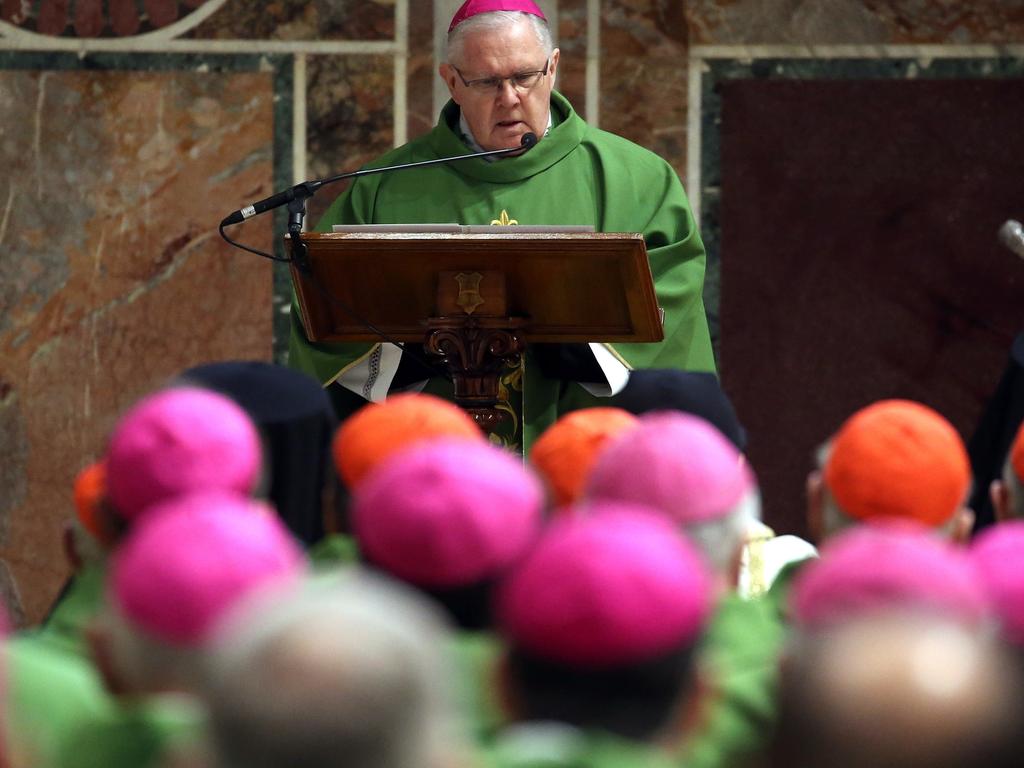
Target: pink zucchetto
{"x": 879, "y": 567}
{"x": 617, "y": 587}
{"x": 996, "y": 554}
{"x": 472, "y": 8}
{"x": 179, "y": 441}
{"x": 447, "y": 513}
{"x": 189, "y": 561}
{"x": 676, "y": 463}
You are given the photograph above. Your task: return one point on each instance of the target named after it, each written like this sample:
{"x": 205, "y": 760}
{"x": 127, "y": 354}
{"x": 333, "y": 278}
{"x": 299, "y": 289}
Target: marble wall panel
{"x": 421, "y": 72}
{"x": 822, "y": 22}
{"x": 572, "y": 41}
{"x": 644, "y": 75}
{"x": 301, "y": 20}
{"x": 114, "y": 278}
{"x": 349, "y": 117}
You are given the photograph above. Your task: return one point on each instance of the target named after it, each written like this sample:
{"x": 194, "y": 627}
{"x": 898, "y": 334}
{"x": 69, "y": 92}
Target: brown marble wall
{"x": 112, "y": 277}
{"x": 823, "y": 22}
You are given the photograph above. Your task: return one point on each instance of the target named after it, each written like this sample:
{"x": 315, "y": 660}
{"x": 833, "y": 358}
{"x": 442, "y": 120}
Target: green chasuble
{"x": 65, "y": 627}
{"x": 736, "y": 714}
{"x": 575, "y": 175}
{"x": 556, "y": 745}
{"x": 57, "y": 714}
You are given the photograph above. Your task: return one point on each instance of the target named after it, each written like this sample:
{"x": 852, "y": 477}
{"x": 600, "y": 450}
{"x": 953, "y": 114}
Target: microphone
{"x": 307, "y": 188}
{"x": 1011, "y": 234}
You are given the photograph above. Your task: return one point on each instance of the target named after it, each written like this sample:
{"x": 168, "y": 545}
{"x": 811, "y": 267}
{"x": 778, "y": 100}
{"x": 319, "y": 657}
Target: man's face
{"x": 498, "y": 117}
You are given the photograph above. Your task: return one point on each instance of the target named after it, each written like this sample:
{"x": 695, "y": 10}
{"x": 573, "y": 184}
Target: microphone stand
{"x": 296, "y": 196}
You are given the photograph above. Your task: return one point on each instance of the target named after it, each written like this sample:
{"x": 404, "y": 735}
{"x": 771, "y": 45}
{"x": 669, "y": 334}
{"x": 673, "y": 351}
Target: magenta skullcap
{"x": 996, "y": 555}
{"x": 447, "y": 512}
{"x": 877, "y": 567}
{"x": 190, "y": 560}
{"x": 179, "y": 441}
{"x": 473, "y": 7}
{"x": 676, "y": 463}
{"x": 616, "y": 587}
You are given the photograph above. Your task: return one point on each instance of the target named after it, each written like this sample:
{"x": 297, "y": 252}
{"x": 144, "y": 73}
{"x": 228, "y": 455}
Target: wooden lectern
{"x": 475, "y": 300}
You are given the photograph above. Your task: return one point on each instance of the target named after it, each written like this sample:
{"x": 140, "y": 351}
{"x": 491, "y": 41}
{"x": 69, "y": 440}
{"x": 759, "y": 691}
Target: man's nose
{"x": 508, "y": 96}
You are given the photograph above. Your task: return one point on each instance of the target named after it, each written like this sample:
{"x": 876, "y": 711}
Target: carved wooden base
{"x": 476, "y": 350}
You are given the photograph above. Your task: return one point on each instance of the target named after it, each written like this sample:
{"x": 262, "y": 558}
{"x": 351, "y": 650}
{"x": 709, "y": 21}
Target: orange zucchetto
{"x": 1017, "y": 453}
{"x": 378, "y": 430}
{"x": 568, "y": 449}
{"x": 898, "y": 459}
{"x": 89, "y": 490}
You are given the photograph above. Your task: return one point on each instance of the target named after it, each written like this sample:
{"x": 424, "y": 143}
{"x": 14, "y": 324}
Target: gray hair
{"x": 1015, "y": 489}
{"x": 348, "y": 672}
{"x": 721, "y": 539}
{"x": 144, "y": 664}
{"x": 495, "y": 21}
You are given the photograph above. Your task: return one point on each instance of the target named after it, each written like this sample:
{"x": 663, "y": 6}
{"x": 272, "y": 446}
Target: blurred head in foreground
{"x": 893, "y": 459}
{"x": 296, "y": 422}
{"x": 1008, "y": 494}
{"x": 683, "y": 467}
{"x": 379, "y": 430}
{"x": 996, "y": 555}
{"x": 899, "y": 690}
{"x": 346, "y": 672}
{"x": 881, "y": 567}
{"x": 175, "y": 576}
{"x": 179, "y": 441}
{"x": 565, "y": 454}
{"x": 602, "y": 619}
{"x": 450, "y": 517}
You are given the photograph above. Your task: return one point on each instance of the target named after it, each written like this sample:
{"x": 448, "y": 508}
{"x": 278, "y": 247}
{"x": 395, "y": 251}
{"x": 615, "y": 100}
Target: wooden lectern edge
{"x": 562, "y": 335}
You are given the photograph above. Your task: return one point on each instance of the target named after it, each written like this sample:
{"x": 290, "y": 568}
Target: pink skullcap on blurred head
{"x": 676, "y": 463}
{"x": 619, "y": 586}
{"x": 1017, "y": 453}
{"x": 447, "y": 513}
{"x": 473, "y": 7}
{"x": 885, "y": 566}
{"x": 378, "y": 430}
{"x": 565, "y": 454}
{"x": 190, "y": 560}
{"x": 996, "y": 554}
{"x": 901, "y": 459}
{"x": 179, "y": 441}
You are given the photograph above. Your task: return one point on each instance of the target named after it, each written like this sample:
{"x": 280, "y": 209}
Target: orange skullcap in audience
{"x": 378, "y": 430}
{"x": 1017, "y": 453}
{"x": 90, "y": 488}
{"x": 898, "y": 459}
{"x": 567, "y": 451}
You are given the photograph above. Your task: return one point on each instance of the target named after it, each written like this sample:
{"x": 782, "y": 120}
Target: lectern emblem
{"x": 469, "y": 291}
{"x": 503, "y": 220}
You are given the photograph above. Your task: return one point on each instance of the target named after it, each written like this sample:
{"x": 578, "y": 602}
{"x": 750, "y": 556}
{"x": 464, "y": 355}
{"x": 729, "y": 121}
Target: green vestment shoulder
{"x": 554, "y": 745}
{"x": 576, "y": 174}
{"x": 737, "y": 712}
{"x": 59, "y": 715}
{"x": 476, "y": 656}
{"x": 64, "y": 628}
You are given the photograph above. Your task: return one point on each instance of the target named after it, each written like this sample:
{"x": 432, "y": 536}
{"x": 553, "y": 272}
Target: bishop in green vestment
{"x": 500, "y": 72}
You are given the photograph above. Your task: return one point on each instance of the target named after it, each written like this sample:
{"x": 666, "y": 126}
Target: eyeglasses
{"x": 521, "y": 81}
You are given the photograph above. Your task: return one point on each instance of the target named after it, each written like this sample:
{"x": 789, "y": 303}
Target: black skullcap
{"x": 696, "y": 392}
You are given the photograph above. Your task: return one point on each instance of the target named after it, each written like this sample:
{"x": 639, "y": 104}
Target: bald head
{"x": 899, "y": 690}
{"x": 357, "y": 676}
